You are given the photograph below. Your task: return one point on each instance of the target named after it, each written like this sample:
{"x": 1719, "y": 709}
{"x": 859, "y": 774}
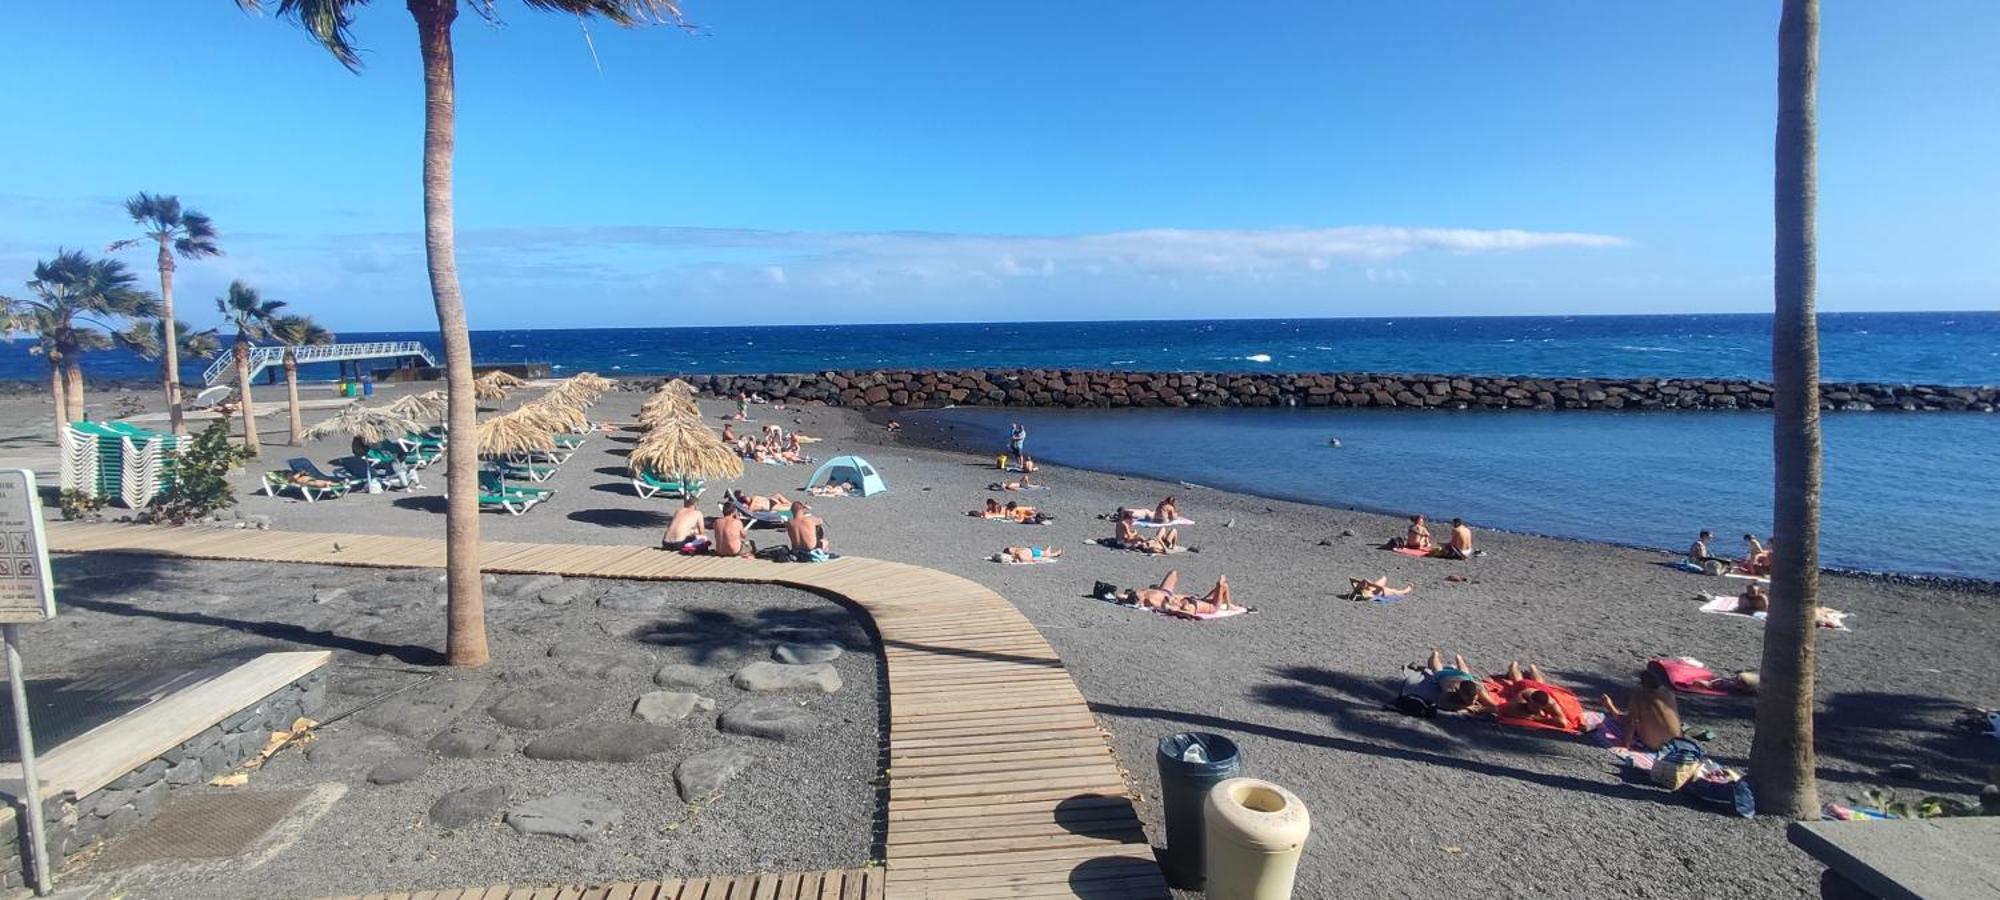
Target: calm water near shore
{"x": 1907, "y": 493}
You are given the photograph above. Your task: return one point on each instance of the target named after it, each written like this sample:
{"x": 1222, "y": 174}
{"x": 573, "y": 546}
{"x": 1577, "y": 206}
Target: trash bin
{"x": 367, "y": 388}
{"x": 1255, "y": 833}
{"x": 1190, "y": 763}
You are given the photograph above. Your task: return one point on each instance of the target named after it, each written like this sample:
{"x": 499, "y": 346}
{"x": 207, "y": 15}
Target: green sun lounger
{"x": 648, "y": 485}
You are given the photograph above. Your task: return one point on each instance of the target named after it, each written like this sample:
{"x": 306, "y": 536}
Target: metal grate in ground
{"x": 208, "y": 825}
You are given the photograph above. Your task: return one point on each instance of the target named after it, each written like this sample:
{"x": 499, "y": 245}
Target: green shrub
{"x": 79, "y": 505}
{"x": 201, "y": 478}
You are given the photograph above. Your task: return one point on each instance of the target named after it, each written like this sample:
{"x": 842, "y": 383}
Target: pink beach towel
{"x": 1687, "y": 675}
{"x": 1218, "y": 614}
{"x": 1411, "y": 552}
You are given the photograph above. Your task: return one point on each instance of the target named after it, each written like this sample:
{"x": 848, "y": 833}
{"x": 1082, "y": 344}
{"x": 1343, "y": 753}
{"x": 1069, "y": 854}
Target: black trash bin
{"x": 1184, "y": 784}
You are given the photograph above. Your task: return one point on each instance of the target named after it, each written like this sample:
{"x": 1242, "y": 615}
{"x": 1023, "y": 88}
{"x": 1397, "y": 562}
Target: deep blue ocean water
{"x": 1953, "y": 348}
{"x": 1910, "y": 493}
{"x": 1905, "y": 492}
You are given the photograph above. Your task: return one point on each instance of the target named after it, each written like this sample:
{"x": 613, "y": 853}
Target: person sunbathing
{"x": 1127, "y": 536}
{"x": 1025, "y": 484}
{"x": 1025, "y": 514}
{"x": 1371, "y": 588}
{"x": 303, "y": 480}
{"x": 993, "y": 510}
{"x": 686, "y": 527}
{"x": 1441, "y": 686}
{"x": 1418, "y": 535}
{"x": 1216, "y": 600}
{"x": 1652, "y": 716}
{"x": 1027, "y": 554}
{"x": 1155, "y": 597}
{"x": 760, "y": 503}
{"x": 731, "y": 539}
{"x": 831, "y": 489}
{"x": 1753, "y": 600}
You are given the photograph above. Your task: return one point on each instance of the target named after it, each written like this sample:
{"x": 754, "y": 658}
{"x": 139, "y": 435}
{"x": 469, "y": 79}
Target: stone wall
{"x": 1110, "y": 389}
{"x": 73, "y": 826}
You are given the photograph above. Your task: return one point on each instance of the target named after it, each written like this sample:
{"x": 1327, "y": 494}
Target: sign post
{"x": 27, "y": 594}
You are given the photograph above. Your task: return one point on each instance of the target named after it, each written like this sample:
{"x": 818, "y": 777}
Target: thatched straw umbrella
{"x": 519, "y": 431}
{"x": 594, "y": 381}
{"x": 488, "y": 390}
{"x": 558, "y": 416}
{"x": 367, "y": 423}
{"x": 501, "y": 378}
{"x": 685, "y": 451}
{"x": 674, "y": 400}
{"x": 428, "y": 406}
{"x": 571, "y": 394}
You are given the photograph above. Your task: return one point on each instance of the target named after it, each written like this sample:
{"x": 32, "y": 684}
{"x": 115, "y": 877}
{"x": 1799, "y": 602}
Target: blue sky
{"x": 923, "y": 161}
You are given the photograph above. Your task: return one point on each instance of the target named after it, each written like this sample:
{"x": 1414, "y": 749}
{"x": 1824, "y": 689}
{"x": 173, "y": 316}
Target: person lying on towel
{"x": 1369, "y": 589}
{"x": 1524, "y": 700}
{"x": 1027, "y": 554}
{"x": 1164, "y": 598}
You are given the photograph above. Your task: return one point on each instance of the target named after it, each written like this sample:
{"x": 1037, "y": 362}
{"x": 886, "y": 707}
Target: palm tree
{"x": 182, "y": 232}
{"x": 147, "y": 338}
{"x": 328, "y": 21}
{"x": 75, "y": 305}
{"x": 295, "y": 332}
{"x": 251, "y": 315}
{"x": 1781, "y": 754}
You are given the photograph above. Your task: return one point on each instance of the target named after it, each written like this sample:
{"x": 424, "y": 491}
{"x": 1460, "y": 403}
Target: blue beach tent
{"x": 851, "y": 469}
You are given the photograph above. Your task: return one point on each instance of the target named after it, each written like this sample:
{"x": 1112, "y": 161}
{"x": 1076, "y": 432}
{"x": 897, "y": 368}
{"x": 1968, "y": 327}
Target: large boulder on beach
{"x": 772, "y": 718}
{"x": 769, "y": 676}
{"x": 804, "y": 653}
{"x": 468, "y": 806}
{"x": 701, "y": 776}
{"x": 564, "y": 816}
{"x": 544, "y": 706}
{"x": 601, "y": 742}
{"x": 660, "y": 707}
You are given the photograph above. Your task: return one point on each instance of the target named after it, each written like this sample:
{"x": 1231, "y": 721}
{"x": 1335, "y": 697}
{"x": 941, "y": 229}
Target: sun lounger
{"x": 313, "y": 491}
{"x": 569, "y": 441}
{"x": 528, "y": 471}
{"x": 648, "y": 485}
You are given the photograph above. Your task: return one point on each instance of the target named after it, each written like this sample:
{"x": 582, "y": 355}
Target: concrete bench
{"x": 1904, "y": 859}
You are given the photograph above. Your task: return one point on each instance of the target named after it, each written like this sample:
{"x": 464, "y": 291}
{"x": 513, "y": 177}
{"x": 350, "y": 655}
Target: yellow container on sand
{"x": 1256, "y": 832}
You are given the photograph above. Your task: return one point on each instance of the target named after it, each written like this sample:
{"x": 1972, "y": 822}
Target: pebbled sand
{"x": 1402, "y": 807}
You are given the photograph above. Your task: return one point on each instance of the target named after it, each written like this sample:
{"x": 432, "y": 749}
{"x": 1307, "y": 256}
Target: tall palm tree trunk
{"x": 73, "y": 375}
{"x": 465, "y": 631}
{"x": 59, "y": 392}
{"x": 170, "y": 351}
{"x": 298, "y": 426}
{"x": 1781, "y": 755}
{"x": 250, "y": 443}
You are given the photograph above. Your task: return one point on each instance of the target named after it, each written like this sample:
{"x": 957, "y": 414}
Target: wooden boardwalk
{"x": 1000, "y": 782}
{"x": 837, "y": 884}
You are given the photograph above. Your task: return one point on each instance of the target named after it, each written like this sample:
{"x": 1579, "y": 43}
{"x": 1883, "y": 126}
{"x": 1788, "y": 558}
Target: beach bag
{"x": 1679, "y": 763}
{"x": 1104, "y": 590}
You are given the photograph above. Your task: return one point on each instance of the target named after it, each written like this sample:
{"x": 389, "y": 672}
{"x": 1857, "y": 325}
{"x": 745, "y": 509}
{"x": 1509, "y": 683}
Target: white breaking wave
{"x": 1259, "y": 357}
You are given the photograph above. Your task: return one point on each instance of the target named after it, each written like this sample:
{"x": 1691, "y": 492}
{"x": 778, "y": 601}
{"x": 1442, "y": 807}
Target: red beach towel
{"x": 1686, "y": 675}
{"x": 1565, "y": 700}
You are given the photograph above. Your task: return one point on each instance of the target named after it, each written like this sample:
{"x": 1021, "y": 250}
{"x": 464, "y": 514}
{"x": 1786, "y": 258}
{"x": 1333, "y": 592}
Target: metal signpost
{"x": 27, "y": 594}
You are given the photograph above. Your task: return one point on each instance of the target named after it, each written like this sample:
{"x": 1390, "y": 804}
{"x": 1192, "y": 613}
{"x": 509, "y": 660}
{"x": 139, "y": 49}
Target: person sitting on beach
{"x": 1028, "y": 465}
{"x": 806, "y": 532}
{"x": 1758, "y": 562}
{"x": 1168, "y": 510}
{"x": 1418, "y": 536}
{"x": 1027, "y": 554}
{"x": 730, "y": 536}
{"x": 895, "y": 426}
{"x": 993, "y": 510}
{"x": 1753, "y": 600}
{"x": 1651, "y": 716}
{"x": 729, "y": 433}
{"x": 1460, "y": 544}
{"x": 1369, "y": 589}
{"x": 1127, "y": 536}
{"x": 686, "y": 527}
{"x": 1698, "y": 551}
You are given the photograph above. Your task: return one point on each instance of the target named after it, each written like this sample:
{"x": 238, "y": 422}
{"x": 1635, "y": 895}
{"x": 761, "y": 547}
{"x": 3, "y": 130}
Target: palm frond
{"x": 626, "y": 13}
{"x": 330, "y": 22}
{"x": 294, "y": 330}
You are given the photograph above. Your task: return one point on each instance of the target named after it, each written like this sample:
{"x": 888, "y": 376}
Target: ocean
{"x": 1912, "y": 493}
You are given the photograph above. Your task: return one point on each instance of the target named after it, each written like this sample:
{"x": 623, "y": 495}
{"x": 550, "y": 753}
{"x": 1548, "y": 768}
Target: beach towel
{"x": 1410, "y": 552}
{"x": 1687, "y": 675}
{"x": 1171, "y": 523}
{"x": 1218, "y": 614}
{"x": 1565, "y": 700}
{"x": 1747, "y": 577}
{"x": 1004, "y": 559}
{"x": 1726, "y": 606}
{"x": 1112, "y": 544}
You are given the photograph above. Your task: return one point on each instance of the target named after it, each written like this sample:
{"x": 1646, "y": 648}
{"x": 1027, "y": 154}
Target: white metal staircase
{"x": 274, "y": 355}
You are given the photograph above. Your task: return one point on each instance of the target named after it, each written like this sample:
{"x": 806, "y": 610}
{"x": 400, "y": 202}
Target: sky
{"x": 783, "y": 162}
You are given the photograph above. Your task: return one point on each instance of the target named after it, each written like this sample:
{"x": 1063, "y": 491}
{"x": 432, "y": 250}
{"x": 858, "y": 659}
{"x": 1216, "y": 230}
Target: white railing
{"x": 272, "y": 355}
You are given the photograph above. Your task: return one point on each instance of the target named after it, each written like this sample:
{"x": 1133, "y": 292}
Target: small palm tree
{"x": 75, "y": 305}
{"x": 329, "y": 21}
{"x": 251, "y": 316}
{"x": 295, "y": 331}
{"x": 177, "y": 231}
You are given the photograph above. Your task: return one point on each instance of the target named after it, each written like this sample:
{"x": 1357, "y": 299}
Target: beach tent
{"x": 851, "y": 469}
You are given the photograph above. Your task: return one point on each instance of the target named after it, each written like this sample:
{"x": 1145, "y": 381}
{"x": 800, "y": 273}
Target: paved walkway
{"x": 1000, "y": 782}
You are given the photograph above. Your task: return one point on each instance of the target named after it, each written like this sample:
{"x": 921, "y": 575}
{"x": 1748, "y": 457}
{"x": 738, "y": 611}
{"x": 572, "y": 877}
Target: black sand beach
{"x": 1403, "y": 807}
